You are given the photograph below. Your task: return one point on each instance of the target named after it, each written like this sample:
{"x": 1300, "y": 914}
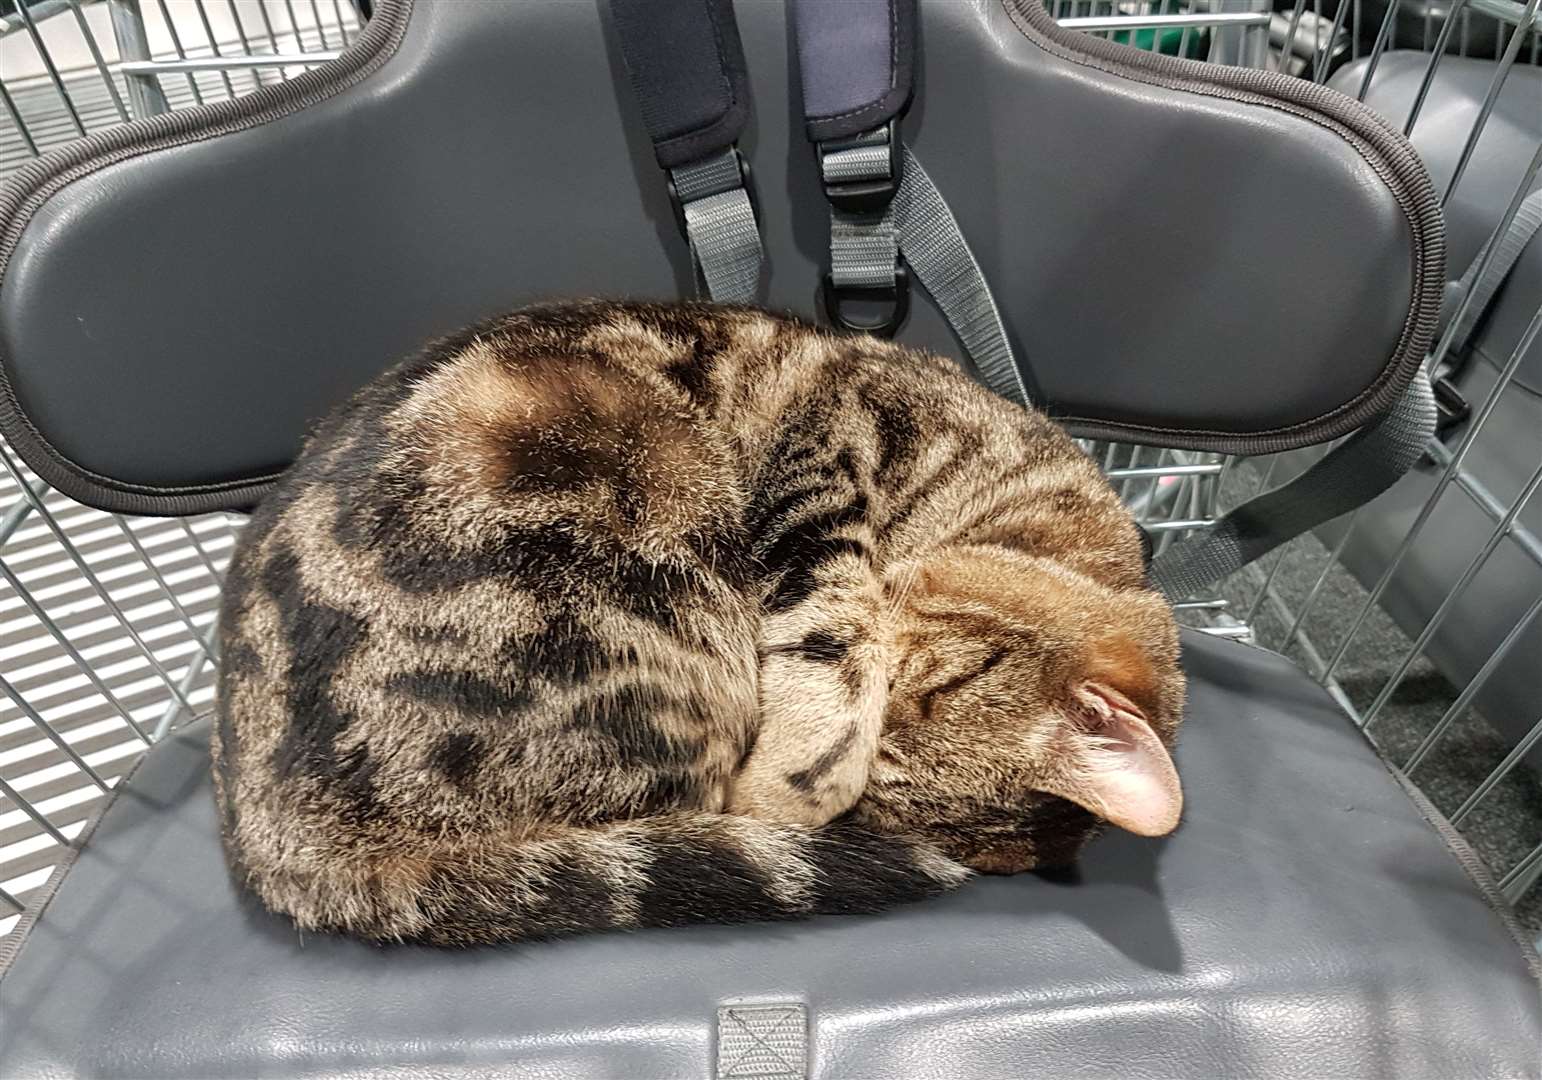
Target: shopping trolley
{"x": 107, "y": 639}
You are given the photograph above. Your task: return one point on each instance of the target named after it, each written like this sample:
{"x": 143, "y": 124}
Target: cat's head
{"x": 1027, "y": 703}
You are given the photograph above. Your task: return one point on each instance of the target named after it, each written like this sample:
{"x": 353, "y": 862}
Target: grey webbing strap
{"x": 1350, "y": 475}
{"x": 686, "y": 67}
{"x": 719, "y": 222}
{"x": 865, "y": 249}
{"x": 864, "y": 245}
{"x": 935, "y": 248}
{"x": 1526, "y": 223}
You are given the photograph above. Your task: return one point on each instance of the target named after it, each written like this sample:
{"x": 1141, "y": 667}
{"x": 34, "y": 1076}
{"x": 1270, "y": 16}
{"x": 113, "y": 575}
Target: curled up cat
{"x": 618, "y": 615}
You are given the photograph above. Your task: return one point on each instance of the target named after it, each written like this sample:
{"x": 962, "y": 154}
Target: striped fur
{"x": 616, "y": 615}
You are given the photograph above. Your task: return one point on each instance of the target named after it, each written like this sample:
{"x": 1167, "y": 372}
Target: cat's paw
{"x": 769, "y": 797}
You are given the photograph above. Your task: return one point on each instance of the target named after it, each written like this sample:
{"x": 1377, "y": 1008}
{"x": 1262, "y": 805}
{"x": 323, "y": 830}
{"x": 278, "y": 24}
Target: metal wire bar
{"x": 197, "y": 543}
{"x": 235, "y": 17}
{"x": 32, "y": 812}
{"x": 1124, "y": 486}
{"x": 128, "y": 29}
{"x": 267, "y": 24}
{"x": 1445, "y": 479}
{"x": 160, "y": 580}
{"x": 1279, "y": 560}
{"x": 16, "y": 120}
{"x": 12, "y": 901}
{"x": 1150, "y": 499}
{"x": 176, "y": 43}
{"x": 1436, "y": 57}
{"x": 294, "y": 25}
{"x": 1472, "y": 689}
{"x": 1524, "y": 538}
{"x": 96, "y": 57}
{"x": 1179, "y": 525}
{"x": 53, "y": 736}
{"x": 1378, "y": 47}
{"x": 1268, "y": 583}
{"x": 214, "y": 46}
{"x": 342, "y": 26}
{"x": 1159, "y": 22}
{"x": 18, "y": 511}
{"x": 41, "y": 9}
{"x": 1449, "y": 602}
{"x": 224, "y": 63}
{"x": 96, "y": 583}
{"x": 1495, "y": 85}
{"x": 321, "y": 30}
{"x": 195, "y": 668}
{"x": 48, "y": 64}
{"x": 1502, "y": 770}
{"x": 1200, "y": 488}
{"x": 1506, "y": 12}
{"x": 1290, "y": 35}
{"x": 1322, "y": 578}
{"x": 1164, "y": 470}
{"x": 1522, "y": 876}
{"x": 1313, "y": 658}
{"x": 1326, "y": 50}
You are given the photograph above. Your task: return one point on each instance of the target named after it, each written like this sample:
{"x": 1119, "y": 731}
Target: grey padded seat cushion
{"x": 1306, "y": 921}
{"x": 222, "y": 294}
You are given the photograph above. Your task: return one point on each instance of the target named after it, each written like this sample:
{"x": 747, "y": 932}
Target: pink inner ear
{"x": 1124, "y": 773}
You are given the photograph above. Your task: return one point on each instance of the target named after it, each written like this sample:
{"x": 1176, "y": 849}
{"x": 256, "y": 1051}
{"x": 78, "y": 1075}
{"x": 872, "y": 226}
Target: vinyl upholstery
{"x": 1305, "y": 920}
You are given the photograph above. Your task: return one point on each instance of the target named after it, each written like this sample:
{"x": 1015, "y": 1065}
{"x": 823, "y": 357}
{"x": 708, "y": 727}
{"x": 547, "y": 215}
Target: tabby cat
{"x": 618, "y": 615}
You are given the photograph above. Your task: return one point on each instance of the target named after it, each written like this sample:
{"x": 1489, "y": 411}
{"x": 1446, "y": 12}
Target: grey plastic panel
{"x": 172, "y": 323}
{"x": 1304, "y": 921}
{"x": 1499, "y": 160}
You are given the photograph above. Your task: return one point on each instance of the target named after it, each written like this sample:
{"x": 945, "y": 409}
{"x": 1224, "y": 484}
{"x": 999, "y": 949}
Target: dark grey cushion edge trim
{"x": 37, "y": 181}
{"x": 1382, "y": 147}
{"x": 10, "y": 947}
{"x": 1477, "y": 870}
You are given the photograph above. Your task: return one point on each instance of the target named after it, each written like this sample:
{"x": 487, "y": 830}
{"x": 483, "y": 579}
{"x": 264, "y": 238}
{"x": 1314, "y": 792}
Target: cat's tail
{"x": 670, "y": 870}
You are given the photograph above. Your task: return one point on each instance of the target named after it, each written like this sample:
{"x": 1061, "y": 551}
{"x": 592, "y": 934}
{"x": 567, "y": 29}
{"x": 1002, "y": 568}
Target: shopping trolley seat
{"x": 1308, "y": 919}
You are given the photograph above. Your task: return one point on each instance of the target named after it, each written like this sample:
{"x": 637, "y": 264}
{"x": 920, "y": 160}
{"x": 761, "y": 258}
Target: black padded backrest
{"x": 1187, "y": 255}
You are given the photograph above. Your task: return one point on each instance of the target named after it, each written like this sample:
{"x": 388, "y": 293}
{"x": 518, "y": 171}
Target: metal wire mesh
{"x": 105, "y": 622}
{"x": 76, "y": 66}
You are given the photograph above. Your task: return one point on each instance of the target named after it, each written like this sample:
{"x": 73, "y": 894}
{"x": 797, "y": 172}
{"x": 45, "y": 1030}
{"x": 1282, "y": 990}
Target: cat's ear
{"x": 1117, "y": 767}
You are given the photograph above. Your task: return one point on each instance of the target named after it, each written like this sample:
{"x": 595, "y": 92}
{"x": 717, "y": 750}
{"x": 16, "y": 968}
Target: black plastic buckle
{"x": 865, "y": 196}
{"x": 895, "y": 296}
{"x": 678, "y": 205}
{"x": 1451, "y": 404}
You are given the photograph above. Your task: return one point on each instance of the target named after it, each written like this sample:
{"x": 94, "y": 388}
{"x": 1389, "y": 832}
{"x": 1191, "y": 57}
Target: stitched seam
{"x": 722, "y": 58}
